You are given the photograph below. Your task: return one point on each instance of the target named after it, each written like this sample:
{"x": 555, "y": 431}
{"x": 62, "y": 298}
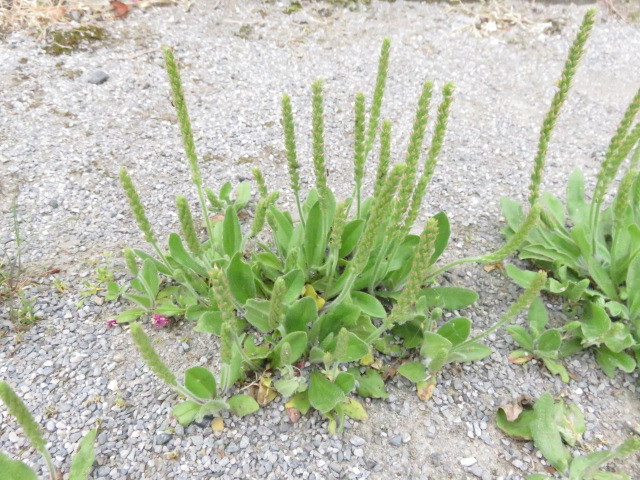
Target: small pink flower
{"x": 160, "y": 320}
{"x": 111, "y": 323}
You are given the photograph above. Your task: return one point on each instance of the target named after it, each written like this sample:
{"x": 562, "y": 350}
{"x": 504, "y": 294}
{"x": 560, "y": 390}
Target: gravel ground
{"x": 65, "y": 132}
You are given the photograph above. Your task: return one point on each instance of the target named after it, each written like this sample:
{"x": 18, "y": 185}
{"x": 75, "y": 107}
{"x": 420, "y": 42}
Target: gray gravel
{"x": 63, "y": 138}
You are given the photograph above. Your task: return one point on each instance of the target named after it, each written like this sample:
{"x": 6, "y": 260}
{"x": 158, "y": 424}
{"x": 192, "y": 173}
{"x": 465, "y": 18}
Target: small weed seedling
{"x": 552, "y": 425}
{"x": 14, "y": 469}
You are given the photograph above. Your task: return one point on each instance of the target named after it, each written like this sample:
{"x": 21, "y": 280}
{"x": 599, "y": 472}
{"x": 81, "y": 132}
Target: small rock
{"x": 396, "y": 441}
{"x": 467, "y": 462}
{"x": 53, "y": 203}
{"x": 162, "y": 438}
{"x": 477, "y": 471}
{"x": 357, "y": 441}
{"x": 97, "y": 77}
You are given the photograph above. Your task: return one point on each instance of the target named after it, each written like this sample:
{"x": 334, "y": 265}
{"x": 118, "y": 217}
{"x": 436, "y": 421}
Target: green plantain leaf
{"x": 435, "y": 349}
{"x": 537, "y": 317}
{"x": 350, "y": 236}
{"x": 633, "y": 288}
{"x": 298, "y": 343}
{"x": 314, "y": 237}
{"x": 520, "y": 428}
{"x": 546, "y": 436}
{"x": 369, "y": 384}
{"x": 186, "y": 412}
{"x": 184, "y": 258}
{"x": 449, "y": 298}
{"x": 243, "y": 405}
{"x": 84, "y": 457}
{"x": 512, "y": 212}
{"x": 521, "y": 336}
{"x": 414, "y": 371}
{"x": 241, "y": 279}
{"x": 549, "y": 341}
{"x": 456, "y": 330}
{"x": 576, "y": 206}
{"x": 257, "y": 314}
{"x": 442, "y": 239}
{"x": 369, "y": 304}
{"x": 609, "y": 361}
{"x": 200, "y": 382}
{"x": 231, "y": 235}
{"x": 300, "y": 314}
{"x": 323, "y": 394}
{"x": 521, "y": 277}
{"x": 15, "y": 469}
{"x": 586, "y": 467}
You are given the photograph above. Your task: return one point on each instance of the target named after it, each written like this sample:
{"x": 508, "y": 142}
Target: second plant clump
{"x": 592, "y": 253}
{"x": 307, "y": 314}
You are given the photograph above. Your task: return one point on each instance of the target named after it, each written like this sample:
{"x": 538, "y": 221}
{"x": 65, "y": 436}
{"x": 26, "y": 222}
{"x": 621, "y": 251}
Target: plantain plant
{"x": 16, "y": 470}
{"x": 591, "y": 251}
{"x": 552, "y": 425}
{"x": 307, "y": 302}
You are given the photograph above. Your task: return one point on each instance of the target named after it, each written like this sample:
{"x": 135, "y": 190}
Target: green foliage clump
{"x": 592, "y": 253}
{"x": 310, "y": 312}
{"x": 65, "y": 42}
{"x": 554, "y": 424}
{"x": 14, "y": 469}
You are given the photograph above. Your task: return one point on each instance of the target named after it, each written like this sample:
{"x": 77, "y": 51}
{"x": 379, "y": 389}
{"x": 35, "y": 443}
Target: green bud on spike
{"x": 517, "y": 239}
{"x": 214, "y": 201}
{"x": 18, "y": 409}
{"x": 131, "y": 261}
{"x": 150, "y": 356}
{"x": 569, "y": 71}
{"x": 186, "y": 224}
{"x": 259, "y": 178}
{"x": 136, "y": 207}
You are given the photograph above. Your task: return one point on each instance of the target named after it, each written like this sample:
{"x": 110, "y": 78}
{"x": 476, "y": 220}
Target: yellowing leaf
{"x": 425, "y": 389}
{"x": 266, "y": 393}
{"x": 309, "y": 291}
{"x": 354, "y": 409}
{"x": 217, "y": 425}
{"x": 367, "y": 359}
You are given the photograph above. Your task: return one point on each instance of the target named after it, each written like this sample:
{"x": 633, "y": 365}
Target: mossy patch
{"x": 68, "y": 41}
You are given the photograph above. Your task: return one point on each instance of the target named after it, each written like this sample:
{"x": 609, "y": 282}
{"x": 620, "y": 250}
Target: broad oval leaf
{"x": 354, "y": 409}
{"x": 297, "y": 341}
{"x": 350, "y": 236}
{"x": 456, "y": 330}
{"x": 200, "y": 382}
{"x": 414, "y": 371}
{"x": 549, "y": 341}
{"x": 449, "y": 298}
{"x": 546, "y": 436}
{"x": 243, "y": 405}
{"x": 323, "y": 394}
{"x": 521, "y": 336}
{"x": 185, "y": 412}
{"x": 301, "y": 314}
{"x": 241, "y": 279}
{"x": 184, "y": 258}
{"x": 369, "y": 304}
{"x": 369, "y": 384}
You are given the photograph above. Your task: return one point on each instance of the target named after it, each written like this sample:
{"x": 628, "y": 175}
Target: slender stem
{"x": 53, "y": 473}
{"x": 345, "y": 293}
{"x": 453, "y": 264}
